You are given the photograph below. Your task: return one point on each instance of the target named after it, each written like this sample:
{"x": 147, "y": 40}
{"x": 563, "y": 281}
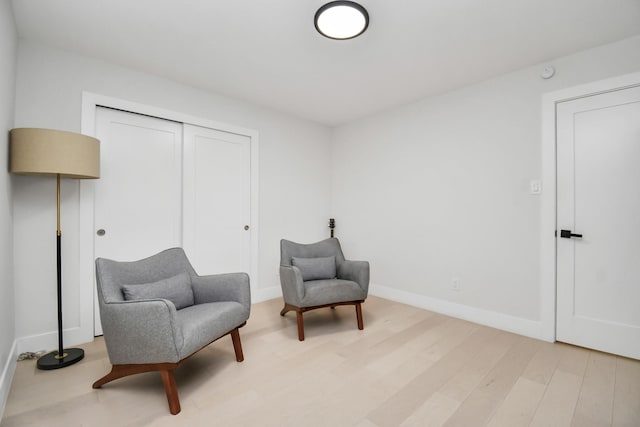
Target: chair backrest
{"x": 111, "y": 275}
{"x": 324, "y": 248}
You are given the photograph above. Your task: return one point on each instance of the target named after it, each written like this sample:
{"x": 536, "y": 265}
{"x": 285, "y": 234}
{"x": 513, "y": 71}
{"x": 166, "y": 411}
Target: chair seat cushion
{"x": 176, "y": 289}
{"x": 320, "y": 292}
{"x": 320, "y": 268}
{"x": 203, "y": 323}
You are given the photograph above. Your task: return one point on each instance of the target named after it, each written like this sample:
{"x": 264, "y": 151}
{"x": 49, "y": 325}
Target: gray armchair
{"x": 317, "y": 275}
{"x": 157, "y": 312}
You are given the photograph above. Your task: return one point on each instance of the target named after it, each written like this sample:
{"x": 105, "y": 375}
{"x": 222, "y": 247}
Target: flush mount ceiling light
{"x": 341, "y": 20}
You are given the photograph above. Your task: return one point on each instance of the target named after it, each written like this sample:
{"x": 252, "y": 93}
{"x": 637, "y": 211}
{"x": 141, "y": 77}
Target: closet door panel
{"x": 217, "y": 200}
{"x": 138, "y": 198}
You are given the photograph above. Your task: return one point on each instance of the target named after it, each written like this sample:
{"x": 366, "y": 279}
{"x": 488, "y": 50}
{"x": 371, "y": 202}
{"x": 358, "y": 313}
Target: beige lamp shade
{"x": 54, "y": 152}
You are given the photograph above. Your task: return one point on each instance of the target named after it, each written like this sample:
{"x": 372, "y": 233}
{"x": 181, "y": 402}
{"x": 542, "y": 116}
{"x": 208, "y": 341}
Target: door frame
{"x": 90, "y": 102}
{"x": 548, "y": 206}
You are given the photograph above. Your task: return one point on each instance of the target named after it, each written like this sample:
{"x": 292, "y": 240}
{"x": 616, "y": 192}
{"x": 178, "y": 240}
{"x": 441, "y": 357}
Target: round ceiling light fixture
{"x": 341, "y": 20}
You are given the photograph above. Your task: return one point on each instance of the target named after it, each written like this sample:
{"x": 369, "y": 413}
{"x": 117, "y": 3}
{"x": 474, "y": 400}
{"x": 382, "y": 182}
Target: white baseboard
{"x": 7, "y": 377}
{"x": 40, "y": 342}
{"x": 505, "y": 322}
{"x": 265, "y": 294}
{"x": 48, "y": 341}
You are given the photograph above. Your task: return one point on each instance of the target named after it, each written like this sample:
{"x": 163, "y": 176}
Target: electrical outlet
{"x": 455, "y": 284}
{"x": 535, "y": 186}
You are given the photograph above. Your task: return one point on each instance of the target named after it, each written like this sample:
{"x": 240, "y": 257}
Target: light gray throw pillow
{"x": 176, "y": 289}
{"x": 316, "y": 268}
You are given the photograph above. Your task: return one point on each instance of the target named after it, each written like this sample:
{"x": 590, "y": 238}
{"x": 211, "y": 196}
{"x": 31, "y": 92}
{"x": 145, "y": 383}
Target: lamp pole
{"x": 62, "y": 357}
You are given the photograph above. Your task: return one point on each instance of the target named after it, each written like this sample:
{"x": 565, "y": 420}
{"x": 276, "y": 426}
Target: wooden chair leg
{"x": 287, "y": 308}
{"x": 359, "y": 316}
{"x": 237, "y": 345}
{"x": 170, "y": 387}
{"x": 116, "y": 372}
{"x": 120, "y": 371}
{"x": 300, "y": 326}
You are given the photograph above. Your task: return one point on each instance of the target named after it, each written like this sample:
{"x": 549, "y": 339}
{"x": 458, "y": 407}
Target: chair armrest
{"x": 292, "y": 285}
{"x": 356, "y": 271}
{"x": 222, "y": 287}
{"x": 143, "y": 331}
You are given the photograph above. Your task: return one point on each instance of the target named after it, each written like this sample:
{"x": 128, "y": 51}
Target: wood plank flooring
{"x": 408, "y": 367}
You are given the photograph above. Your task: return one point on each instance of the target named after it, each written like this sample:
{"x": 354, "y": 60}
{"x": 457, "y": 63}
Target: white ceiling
{"x": 269, "y": 53}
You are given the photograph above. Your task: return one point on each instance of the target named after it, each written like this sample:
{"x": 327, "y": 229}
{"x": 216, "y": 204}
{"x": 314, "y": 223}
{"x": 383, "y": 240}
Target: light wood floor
{"x": 408, "y": 367}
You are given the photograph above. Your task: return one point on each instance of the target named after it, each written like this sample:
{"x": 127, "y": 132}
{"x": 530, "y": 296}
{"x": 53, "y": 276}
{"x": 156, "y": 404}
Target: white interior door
{"x": 138, "y": 198}
{"x": 598, "y": 275}
{"x": 217, "y": 199}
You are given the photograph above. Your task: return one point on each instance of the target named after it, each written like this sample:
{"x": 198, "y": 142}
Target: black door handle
{"x": 567, "y": 234}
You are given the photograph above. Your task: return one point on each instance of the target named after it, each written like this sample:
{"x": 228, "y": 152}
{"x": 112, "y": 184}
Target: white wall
{"x": 294, "y": 169}
{"x": 442, "y": 191}
{"x": 8, "y": 51}
{"x": 431, "y": 191}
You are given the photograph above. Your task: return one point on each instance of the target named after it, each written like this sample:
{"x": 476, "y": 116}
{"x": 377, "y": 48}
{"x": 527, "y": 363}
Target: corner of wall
{"x": 8, "y": 53}
{"x": 7, "y": 376}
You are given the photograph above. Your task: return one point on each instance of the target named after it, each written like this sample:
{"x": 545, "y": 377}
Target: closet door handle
{"x": 567, "y": 234}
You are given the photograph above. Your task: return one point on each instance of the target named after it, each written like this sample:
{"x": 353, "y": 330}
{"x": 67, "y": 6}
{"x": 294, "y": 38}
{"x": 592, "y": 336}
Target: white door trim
{"x": 548, "y": 200}
{"x": 90, "y": 101}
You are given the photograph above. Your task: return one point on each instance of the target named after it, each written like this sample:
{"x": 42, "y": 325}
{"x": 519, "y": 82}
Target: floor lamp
{"x": 63, "y": 155}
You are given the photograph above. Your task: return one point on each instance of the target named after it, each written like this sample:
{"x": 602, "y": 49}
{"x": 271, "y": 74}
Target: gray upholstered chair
{"x": 157, "y": 312}
{"x": 317, "y": 275}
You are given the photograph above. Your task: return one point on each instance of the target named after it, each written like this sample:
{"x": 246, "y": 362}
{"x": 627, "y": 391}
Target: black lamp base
{"x": 52, "y": 361}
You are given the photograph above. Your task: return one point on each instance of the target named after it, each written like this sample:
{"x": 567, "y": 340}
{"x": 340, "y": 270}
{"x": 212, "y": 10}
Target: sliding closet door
{"x": 166, "y": 184}
{"x": 138, "y": 197}
{"x": 217, "y": 195}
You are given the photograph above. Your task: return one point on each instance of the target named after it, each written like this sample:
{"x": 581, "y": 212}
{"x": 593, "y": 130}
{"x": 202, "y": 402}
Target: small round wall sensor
{"x": 548, "y": 72}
